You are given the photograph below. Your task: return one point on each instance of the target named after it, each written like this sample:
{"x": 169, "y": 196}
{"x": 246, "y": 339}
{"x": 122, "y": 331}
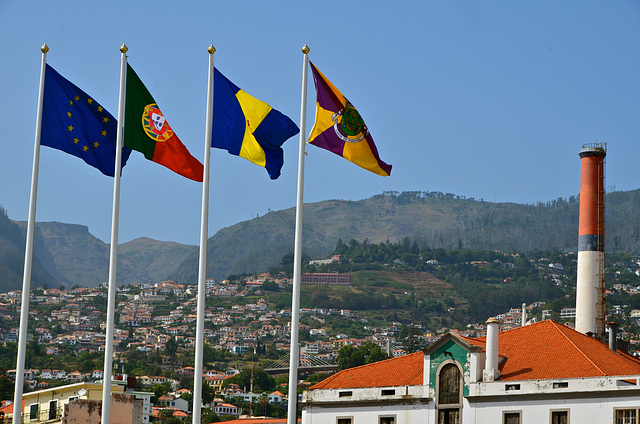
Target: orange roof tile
{"x": 544, "y": 350}
{"x": 549, "y": 350}
{"x": 8, "y": 409}
{"x": 379, "y": 374}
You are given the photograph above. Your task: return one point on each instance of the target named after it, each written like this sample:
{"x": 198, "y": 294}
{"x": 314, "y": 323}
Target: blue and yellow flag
{"x": 72, "y": 121}
{"x": 248, "y": 127}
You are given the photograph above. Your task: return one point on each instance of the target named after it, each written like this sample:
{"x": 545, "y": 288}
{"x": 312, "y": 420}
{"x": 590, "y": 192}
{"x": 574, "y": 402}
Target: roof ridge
{"x": 556, "y": 327}
{"x": 509, "y": 330}
{"x": 521, "y": 327}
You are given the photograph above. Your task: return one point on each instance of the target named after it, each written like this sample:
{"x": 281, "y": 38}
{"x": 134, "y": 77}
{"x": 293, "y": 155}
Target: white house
{"x": 174, "y": 402}
{"x": 276, "y": 397}
{"x": 53, "y": 374}
{"x": 540, "y": 373}
{"x": 225, "y": 409}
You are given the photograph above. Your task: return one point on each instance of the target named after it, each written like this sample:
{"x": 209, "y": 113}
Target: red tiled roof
{"x": 547, "y": 350}
{"x": 544, "y": 350}
{"x": 401, "y": 371}
{"x": 155, "y": 411}
{"x": 8, "y": 409}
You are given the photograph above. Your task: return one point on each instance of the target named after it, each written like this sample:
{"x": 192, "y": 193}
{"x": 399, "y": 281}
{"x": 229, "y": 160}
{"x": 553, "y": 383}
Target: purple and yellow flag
{"x": 340, "y": 129}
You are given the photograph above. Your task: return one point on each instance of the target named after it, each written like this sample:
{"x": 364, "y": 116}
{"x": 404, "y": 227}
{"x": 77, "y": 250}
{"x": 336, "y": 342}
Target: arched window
{"x": 449, "y": 385}
{"x": 449, "y": 394}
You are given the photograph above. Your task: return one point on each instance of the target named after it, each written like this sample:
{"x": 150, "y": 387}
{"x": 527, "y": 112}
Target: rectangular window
{"x": 387, "y": 420}
{"x": 512, "y": 387}
{"x": 345, "y": 420}
{"x": 559, "y": 417}
{"x": 53, "y": 409}
{"x": 33, "y": 411}
{"x": 388, "y": 392}
{"x": 561, "y": 385}
{"x": 345, "y": 394}
{"x": 511, "y": 418}
{"x": 448, "y": 416}
{"x": 626, "y": 416}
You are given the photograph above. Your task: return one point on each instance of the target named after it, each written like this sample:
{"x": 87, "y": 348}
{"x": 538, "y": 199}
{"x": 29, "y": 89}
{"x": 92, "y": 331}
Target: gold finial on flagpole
{"x": 211, "y": 49}
{"x": 44, "y": 48}
{"x": 124, "y": 48}
{"x": 305, "y": 49}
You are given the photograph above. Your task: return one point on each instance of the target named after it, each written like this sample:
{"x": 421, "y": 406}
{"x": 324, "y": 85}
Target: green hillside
{"x": 433, "y": 219}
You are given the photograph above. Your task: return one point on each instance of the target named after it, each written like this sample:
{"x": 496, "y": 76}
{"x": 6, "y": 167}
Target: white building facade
{"x": 546, "y": 373}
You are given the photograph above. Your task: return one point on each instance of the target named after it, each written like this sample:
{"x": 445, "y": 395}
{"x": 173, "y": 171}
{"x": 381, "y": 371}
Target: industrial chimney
{"x": 590, "y": 286}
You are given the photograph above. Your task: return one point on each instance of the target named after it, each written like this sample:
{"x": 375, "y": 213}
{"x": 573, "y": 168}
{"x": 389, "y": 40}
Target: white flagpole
{"x": 202, "y": 268}
{"x": 113, "y": 257}
{"x": 28, "y": 253}
{"x": 292, "y": 414}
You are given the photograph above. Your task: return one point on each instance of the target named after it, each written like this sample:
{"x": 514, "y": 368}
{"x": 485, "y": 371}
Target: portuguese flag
{"x": 146, "y": 130}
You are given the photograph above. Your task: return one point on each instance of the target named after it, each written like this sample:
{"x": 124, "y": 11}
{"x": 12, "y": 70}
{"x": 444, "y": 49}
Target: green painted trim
{"x": 438, "y": 357}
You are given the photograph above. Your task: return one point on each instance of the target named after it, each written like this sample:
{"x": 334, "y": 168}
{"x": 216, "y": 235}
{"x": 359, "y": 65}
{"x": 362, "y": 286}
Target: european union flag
{"x": 247, "y": 127}
{"x": 72, "y": 121}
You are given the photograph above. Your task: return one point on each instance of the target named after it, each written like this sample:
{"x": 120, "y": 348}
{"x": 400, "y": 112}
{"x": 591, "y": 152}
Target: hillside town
{"x": 161, "y": 317}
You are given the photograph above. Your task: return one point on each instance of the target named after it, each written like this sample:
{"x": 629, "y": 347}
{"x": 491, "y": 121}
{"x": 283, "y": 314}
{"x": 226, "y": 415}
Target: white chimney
{"x": 524, "y": 314}
{"x": 613, "y": 336}
{"x": 491, "y": 372}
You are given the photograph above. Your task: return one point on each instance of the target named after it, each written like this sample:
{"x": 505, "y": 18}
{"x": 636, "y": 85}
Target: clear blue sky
{"x": 484, "y": 99}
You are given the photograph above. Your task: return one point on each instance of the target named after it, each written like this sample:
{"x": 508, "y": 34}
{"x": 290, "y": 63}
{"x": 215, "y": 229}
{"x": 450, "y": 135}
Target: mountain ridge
{"x": 70, "y": 254}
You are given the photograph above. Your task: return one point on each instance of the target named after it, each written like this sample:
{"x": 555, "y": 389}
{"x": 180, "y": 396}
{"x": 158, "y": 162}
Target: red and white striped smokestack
{"x": 590, "y": 287}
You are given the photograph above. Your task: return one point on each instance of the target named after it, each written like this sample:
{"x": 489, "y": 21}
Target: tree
{"x": 270, "y": 286}
{"x": 159, "y": 390}
{"x": 34, "y": 350}
{"x": 185, "y": 382}
{"x": 171, "y": 347}
{"x": 208, "y": 393}
{"x": 409, "y": 335}
{"x": 6, "y": 386}
{"x": 263, "y": 401}
{"x": 208, "y": 416}
{"x": 261, "y": 380}
{"x": 349, "y": 356}
{"x": 164, "y": 415}
{"x": 315, "y": 378}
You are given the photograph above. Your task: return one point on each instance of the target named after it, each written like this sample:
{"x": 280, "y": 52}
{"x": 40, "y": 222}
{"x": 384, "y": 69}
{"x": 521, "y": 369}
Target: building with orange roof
{"x": 540, "y": 373}
{"x": 7, "y": 409}
{"x": 48, "y": 405}
{"x": 224, "y": 408}
{"x": 176, "y": 413}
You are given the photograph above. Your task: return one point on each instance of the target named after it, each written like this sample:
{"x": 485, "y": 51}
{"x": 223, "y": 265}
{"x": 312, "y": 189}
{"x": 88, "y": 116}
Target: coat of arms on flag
{"x": 155, "y": 124}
